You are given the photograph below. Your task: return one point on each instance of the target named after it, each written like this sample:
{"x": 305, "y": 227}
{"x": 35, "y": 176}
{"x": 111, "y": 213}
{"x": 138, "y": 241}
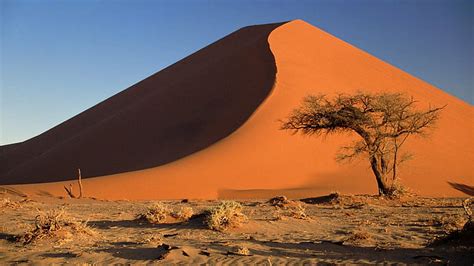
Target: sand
{"x": 258, "y": 160}
{"x": 349, "y": 230}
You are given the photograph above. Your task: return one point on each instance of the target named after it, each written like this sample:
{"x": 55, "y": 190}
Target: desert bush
{"x": 358, "y": 236}
{"x": 51, "y": 223}
{"x": 279, "y": 201}
{"x": 158, "y": 213}
{"x": 226, "y": 215}
{"x": 8, "y": 203}
{"x": 286, "y": 207}
{"x": 242, "y": 251}
{"x": 155, "y": 214}
{"x": 184, "y": 213}
{"x": 297, "y": 211}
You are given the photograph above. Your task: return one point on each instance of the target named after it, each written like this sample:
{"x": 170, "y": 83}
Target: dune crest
{"x": 260, "y": 156}
{"x": 180, "y": 110}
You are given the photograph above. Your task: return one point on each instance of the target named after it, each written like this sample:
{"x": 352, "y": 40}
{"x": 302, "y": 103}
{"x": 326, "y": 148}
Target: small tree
{"x": 382, "y": 121}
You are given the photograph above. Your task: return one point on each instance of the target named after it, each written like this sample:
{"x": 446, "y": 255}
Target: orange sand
{"x": 260, "y": 156}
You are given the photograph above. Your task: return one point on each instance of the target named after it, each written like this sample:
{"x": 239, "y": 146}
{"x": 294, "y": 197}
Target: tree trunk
{"x": 382, "y": 186}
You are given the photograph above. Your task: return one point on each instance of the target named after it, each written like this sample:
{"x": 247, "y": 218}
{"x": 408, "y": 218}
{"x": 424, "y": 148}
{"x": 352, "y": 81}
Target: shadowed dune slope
{"x": 259, "y": 160}
{"x": 173, "y": 113}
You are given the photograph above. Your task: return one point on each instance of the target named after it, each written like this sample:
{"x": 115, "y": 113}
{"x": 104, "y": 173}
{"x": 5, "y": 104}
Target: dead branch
{"x": 79, "y": 181}
{"x": 69, "y": 191}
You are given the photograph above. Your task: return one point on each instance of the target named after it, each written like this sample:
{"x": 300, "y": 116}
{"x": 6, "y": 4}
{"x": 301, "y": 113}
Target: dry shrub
{"x": 158, "y": 213}
{"x": 285, "y": 207}
{"x": 226, "y": 215}
{"x": 184, "y": 213}
{"x": 243, "y": 251}
{"x": 358, "y": 236}
{"x": 398, "y": 191}
{"x": 54, "y": 223}
{"x": 297, "y": 211}
{"x": 279, "y": 201}
{"x": 8, "y": 203}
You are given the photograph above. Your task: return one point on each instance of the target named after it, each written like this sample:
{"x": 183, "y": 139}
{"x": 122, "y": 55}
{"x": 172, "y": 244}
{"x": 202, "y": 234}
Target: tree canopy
{"x": 382, "y": 121}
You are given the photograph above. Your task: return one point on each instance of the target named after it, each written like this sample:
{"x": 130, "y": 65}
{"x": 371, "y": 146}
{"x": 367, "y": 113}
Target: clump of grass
{"x": 158, "y": 213}
{"x": 52, "y": 223}
{"x": 226, "y": 215}
{"x": 243, "y": 251}
{"x": 279, "y": 201}
{"x": 8, "y": 203}
{"x": 297, "y": 211}
{"x": 155, "y": 214}
{"x": 358, "y": 236}
{"x": 184, "y": 213}
{"x": 289, "y": 208}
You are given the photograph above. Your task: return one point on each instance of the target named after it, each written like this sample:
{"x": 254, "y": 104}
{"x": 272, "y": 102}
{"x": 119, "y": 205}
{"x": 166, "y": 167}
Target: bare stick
{"x": 80, "y": 182}
{"x": 69, "y": 191}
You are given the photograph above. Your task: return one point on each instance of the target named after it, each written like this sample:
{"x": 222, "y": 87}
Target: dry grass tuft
{"x": 54, "y": 223}
{"x": 289, "y": 208}
{"x": 243, "y": 251}
{"x": 156, "y": 213}
{"x": 224, "y": 216}
{"x": 184, "y": 213}
{"x": 279, "y": 201}
{"x": 8, "y": 203}
{"x": 159, "y": 213}
{"x": 297, "y": 211}
{"x": 358, "y": 236}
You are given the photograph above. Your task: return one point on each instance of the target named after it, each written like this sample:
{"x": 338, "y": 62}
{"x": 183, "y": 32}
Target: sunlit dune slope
{"x": 173, "y": 113}
{"x": 259, "y": 160}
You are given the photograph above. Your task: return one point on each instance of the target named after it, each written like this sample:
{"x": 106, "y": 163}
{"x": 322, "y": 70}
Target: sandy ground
{"x": 349, "y": 229}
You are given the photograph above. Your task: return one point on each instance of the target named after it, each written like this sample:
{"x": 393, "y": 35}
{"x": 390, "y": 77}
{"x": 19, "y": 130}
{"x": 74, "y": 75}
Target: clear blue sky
{"x": 59, "y": 58}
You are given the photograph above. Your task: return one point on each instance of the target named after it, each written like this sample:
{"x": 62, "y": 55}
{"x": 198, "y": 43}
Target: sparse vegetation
{"x": 358, "y": 236}
{"x": 382, "y": 121}
{"x": 243, "y": 251}
{"x": 53, "y": 223}
{"x": 184, "y": 213}
{"x": 8, "y": 203}
{"x": 226, "y": 215}
{"x": 159, "y": 213}
{"x": 69, "y": 191}
{"x": 288, "y": 208}
{"x": 155, "y": 214}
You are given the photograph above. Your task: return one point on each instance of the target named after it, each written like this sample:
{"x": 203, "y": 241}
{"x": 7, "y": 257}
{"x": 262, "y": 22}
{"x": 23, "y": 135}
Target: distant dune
{"x": 210, "y": 125}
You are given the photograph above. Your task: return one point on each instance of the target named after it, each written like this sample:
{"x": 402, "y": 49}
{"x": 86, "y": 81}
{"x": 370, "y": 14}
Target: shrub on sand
{"x": 226, "y": 215}
{"x": 52, "y": 223}
{"x": 8, "y": 203}
{"x": 286, "y": 207}
{"x": 156, "y": 213}
{"x": 184, "y": 213}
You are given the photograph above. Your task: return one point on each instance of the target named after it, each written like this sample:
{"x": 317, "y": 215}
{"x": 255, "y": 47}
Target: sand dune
{"x": 173, "y": 113}
{"x": 258, "y": 155}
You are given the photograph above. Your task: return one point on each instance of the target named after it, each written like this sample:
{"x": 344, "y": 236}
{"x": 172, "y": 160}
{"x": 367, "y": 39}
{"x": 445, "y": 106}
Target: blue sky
{"x": 59, "y": 58}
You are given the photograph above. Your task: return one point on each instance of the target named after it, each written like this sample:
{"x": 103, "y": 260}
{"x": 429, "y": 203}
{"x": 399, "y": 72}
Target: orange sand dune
{"x": 173, "y": 113}
{"x": 259, "y": 157}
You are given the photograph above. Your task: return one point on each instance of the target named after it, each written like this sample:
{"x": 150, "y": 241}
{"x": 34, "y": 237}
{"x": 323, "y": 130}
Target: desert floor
{"x": 343, "y": 229}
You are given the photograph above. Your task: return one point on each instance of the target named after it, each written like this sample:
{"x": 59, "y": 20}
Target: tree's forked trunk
{"x": 379, "y": 176}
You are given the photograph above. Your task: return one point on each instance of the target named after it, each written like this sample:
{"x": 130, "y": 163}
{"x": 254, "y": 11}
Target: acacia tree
{"x": 382, "y": 121}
